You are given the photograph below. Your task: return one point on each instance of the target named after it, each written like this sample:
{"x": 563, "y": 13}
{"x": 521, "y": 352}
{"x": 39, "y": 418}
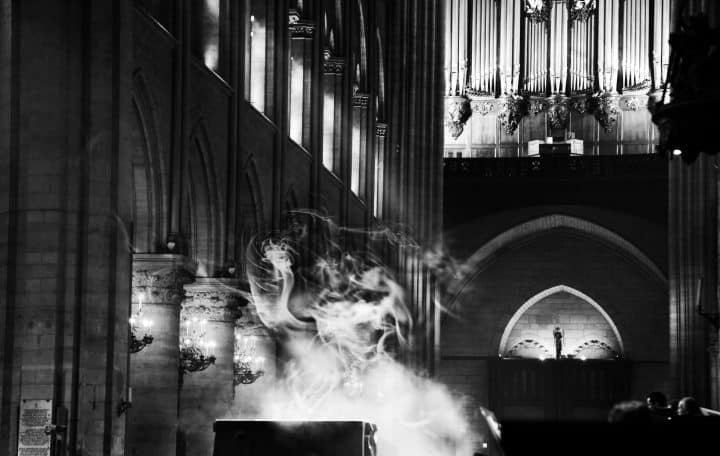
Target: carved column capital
{"x": 160, "y": 277}
{"x": 361, "y": 100}
{"x": 214, "y": 299}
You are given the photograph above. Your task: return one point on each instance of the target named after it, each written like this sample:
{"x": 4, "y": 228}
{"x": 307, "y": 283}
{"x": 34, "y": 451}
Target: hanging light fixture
{"x": 196, "y": 353}
{"x": 247, "y": 366}
{"x": 139, "y": 324}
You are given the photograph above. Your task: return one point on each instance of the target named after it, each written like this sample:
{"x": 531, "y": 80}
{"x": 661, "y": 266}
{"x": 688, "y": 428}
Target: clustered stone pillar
{"x": 208, "y": 394}
{"x": 158, "y": 280}
{"x": 693, "y": 282}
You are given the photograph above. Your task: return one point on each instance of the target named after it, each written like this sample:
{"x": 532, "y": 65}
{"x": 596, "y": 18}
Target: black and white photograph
{"x": 359, "y": 227}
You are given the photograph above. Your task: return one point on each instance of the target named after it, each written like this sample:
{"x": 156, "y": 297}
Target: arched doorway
{"x": 528, "y": 382}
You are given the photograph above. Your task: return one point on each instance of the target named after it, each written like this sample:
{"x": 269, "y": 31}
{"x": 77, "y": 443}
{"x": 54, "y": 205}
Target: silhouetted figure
{"x": 558, "y": 335}
{"x": 659, "y": 410}
{"x": 688, "y": 406}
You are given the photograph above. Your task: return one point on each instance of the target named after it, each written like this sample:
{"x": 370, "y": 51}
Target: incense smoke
{"x": 343, "y": 320}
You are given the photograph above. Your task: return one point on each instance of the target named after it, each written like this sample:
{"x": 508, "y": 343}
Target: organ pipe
{"x": 535, "y": 56}
{"x": 483, "y": 63}
{"x": 558, "y": 53}
{"x": 455, "y": 47}
{"x": 636, "y": 44}
{"x": 474, "y": 58}
{"x": 509, "y": 64}
{"x": 608, "y": 39}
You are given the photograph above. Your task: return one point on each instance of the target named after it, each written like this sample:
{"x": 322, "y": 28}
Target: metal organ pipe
{"x": 492, "y": 55}
{"x": 558, "y": 52}
{"x": 571, "y": 47}
{"x": 513, "y": 56}
{"x": 453, "y": 30}
{"x": 462, "y": 46}
{"x": 645, "y": 47}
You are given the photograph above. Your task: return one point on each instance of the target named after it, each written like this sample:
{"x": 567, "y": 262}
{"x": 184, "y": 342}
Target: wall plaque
{"x": 34, "y": 416}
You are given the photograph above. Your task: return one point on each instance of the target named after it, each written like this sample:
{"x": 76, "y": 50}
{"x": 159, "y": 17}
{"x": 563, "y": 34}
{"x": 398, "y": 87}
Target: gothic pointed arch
{"x": 603, "y": 332}
{"x": 381, "y": 76}
{"x": 360, "y": 47}
{"x": 205, "y": 217}
{"x": 148, "y": 178}
{"x": 548, "y": 223}
{"x": 254, "y": 198}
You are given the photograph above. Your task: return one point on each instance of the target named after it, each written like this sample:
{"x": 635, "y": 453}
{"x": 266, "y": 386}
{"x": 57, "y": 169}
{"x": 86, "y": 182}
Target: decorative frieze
{"x": 334, "y": 66}
{"x": 213, "y": 300}
{"x": 633, "y": 103}
{"x": 483, "y": 107}
{"x": 301, "y": 30}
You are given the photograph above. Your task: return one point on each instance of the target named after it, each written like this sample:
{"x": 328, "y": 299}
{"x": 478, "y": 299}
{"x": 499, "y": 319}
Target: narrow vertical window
{"x": 257, "y": 42}
{"x": 206, "y": 32}
{"x": 379, "y": 177}
{"x": 301, "y": 34}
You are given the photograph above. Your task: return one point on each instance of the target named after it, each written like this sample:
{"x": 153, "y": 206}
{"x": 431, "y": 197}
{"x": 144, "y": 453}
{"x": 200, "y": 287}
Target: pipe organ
{"x": 501, "y": 47}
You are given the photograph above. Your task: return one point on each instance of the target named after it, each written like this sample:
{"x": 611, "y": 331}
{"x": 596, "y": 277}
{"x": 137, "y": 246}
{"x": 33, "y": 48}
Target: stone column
{"x": 207, "y": 395}
{"x": 692, "y": 274}
{"x": 154, "y": 371}
{"x": 65, "y": 267}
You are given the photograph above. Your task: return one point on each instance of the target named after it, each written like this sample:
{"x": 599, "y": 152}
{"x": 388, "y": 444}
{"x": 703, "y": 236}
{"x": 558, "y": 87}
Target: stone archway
{"x": 590, "y": 332}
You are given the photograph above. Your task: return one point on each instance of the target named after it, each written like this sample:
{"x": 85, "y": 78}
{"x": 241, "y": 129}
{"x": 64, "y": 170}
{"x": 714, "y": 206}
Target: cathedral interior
{"x": 275, "y": 227}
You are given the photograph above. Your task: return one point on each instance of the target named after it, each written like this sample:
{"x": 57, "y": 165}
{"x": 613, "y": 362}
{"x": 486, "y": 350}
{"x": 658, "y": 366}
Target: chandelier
{"x": 139, "y": 324}
{"x": 196, "y": 353}
{"x": 578, "y": 10}
{"x": 247, "y": 366}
